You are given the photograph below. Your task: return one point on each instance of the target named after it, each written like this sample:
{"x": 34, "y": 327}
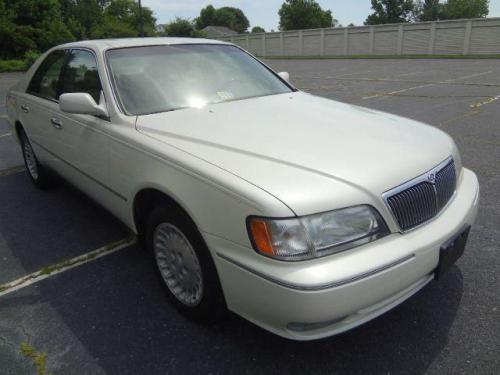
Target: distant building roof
{"x": 216, "y": 31}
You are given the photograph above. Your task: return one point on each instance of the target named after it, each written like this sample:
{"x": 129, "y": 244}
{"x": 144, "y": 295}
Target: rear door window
{"x": 46, "y": 81}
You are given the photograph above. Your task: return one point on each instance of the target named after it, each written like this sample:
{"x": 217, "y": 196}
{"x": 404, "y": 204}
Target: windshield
{"x": 165, "y": 78}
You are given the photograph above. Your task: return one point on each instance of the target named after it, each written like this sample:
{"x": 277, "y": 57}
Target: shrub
{"x": 12, "y": 66}
{"x": 30, "y": 57}
{"x": 19, "y": 65}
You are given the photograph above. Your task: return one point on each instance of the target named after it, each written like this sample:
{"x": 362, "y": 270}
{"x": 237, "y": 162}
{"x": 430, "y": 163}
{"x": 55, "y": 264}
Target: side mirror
{"x": 82, "y": 103}
{"x": 285, "y": 76}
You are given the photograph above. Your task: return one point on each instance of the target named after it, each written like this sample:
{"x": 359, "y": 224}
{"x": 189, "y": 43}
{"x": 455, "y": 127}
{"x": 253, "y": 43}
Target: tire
{"x": 37, "y": 173}
{"x": 185, "y": 266}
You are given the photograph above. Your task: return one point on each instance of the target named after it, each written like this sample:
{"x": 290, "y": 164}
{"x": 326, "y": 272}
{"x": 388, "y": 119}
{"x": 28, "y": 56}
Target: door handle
{"x": 56, "y": 123}
{"x": 25, "y": 108}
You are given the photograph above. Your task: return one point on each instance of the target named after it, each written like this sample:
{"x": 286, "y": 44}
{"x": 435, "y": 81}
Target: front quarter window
{"x": 164, "y": 78}
{"x": 81, "y": 75}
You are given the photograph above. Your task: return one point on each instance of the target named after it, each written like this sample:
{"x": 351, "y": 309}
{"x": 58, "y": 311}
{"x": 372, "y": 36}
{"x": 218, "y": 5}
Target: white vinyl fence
{"x": 457, "y": 37}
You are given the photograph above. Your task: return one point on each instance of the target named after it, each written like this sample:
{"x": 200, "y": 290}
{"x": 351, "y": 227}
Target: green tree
{"x": 456, "y": 9}
{"x": 258, "y": 29}
{"x": 83, "y": 16}
{"x": 304, "y": 14}
{"x": 428, "y": 10}
{"x": 30, "y": 25}
{"x": 206, "y": 18}
{"x": 127, "y": 13}
{"x": 106, "y": 18}
{"x": 391, "y": 11}
{"x": 182, "y": 27}
{"x": 112, "y": 28}
{"x": 233, "y": 18}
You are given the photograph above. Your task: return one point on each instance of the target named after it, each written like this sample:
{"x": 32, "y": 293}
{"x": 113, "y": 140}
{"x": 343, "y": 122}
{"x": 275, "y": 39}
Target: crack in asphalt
{"x": 36, "y": 359}
{"x": 25, "y": 332}
{"x": 13, "y": 345}
{"x": 7, "y": 342}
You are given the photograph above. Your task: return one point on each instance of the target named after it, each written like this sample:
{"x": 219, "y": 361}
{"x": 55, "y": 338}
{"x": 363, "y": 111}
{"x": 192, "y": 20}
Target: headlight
{"x": 317, "y": 235}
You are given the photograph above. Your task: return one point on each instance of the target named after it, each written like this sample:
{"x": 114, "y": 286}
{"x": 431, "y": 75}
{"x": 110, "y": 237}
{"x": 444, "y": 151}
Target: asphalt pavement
{"x": 110, "y": 315}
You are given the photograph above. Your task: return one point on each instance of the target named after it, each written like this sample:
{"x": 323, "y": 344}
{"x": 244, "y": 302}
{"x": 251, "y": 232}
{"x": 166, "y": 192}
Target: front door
{"x": 82, "y": 140}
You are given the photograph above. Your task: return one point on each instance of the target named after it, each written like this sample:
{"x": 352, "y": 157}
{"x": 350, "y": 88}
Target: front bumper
{"x": 322, "y": 297}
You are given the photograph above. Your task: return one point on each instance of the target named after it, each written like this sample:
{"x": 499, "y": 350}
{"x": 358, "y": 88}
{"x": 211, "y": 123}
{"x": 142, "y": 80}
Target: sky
{"x": 264, "y": 13}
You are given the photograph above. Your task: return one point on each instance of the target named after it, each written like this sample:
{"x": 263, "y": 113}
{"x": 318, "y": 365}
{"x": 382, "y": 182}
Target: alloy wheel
{"x": 178, "y": 264}
{"x": 30, "y": 159}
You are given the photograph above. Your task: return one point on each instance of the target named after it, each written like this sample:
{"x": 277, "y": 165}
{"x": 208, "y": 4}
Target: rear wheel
{"x": 38, "y": 175}
{"x": 184, "y": 264}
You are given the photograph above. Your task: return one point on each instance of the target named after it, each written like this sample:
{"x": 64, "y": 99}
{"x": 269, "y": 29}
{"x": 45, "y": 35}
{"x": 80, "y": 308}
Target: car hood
{"x": 289, "y": 143}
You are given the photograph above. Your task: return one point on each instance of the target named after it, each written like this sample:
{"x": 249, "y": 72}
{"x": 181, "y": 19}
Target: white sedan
{"x": 304, "y": 215}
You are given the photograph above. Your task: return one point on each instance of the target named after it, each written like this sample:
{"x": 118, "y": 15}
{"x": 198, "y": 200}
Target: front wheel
{"x": 38, "y": 175}
{"x": 185, "y": 265}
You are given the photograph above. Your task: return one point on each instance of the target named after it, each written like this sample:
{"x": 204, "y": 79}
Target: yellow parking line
{"x": 397, "y": 92}
{"x": 489, "y": 101}
{"x": 451, "y": 80}
{"x": 65, "y": 265}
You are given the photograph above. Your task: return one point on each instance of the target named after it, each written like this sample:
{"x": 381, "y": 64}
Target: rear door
{"x": 39, "y": 101}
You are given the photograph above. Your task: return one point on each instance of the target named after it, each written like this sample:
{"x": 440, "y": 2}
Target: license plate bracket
{"x": 451, "y": 251}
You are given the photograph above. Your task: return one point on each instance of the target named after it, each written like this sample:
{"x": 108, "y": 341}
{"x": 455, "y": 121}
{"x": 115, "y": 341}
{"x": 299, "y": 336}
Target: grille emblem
{"x": 431, "y": 178}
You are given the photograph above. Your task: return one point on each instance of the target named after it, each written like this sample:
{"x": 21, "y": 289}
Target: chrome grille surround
{"x": 422, "y": 198}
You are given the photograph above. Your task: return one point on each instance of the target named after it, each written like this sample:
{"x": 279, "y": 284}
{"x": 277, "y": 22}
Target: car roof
{"x": 104, "y": 44}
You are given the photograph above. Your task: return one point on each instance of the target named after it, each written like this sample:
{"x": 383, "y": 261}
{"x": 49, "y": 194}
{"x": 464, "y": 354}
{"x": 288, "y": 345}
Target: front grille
{"x": 417, "y": 202}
